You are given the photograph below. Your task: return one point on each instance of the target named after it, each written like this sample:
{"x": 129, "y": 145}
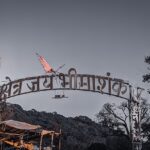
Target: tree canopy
{"x": 116, "y": 117}
{"x": 146, "y": 77}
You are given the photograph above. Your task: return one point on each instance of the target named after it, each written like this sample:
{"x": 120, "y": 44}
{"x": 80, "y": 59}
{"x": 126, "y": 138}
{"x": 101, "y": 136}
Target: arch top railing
{"x": 70, "y": 81}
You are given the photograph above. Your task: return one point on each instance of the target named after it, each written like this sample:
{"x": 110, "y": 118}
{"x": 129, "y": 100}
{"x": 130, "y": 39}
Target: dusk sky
{"x": 93, "y": 36}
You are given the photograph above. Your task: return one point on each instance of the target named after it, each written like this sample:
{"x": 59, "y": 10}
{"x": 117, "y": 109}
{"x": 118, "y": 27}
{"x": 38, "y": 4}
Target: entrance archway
{"x": 82, "y": 82}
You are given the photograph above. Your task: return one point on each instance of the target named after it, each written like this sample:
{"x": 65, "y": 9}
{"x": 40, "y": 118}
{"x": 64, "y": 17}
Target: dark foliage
{"x": 97, "y": 146}
{"x": 147, "y": 59}
{"x": 146, "y": 77}
{"x": 146, "y": 146}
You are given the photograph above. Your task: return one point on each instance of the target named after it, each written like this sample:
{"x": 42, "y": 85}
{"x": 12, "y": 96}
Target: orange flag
{"x": 44, "y": 63}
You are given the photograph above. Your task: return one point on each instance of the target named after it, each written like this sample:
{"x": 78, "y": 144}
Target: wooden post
{"x": 52, "y": 140}
{"x": 41, "y": 139}
{"x": 60, "y": 140}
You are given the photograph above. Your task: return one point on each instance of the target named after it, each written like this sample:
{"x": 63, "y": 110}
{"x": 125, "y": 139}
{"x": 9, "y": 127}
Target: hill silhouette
{"x": 78, "y": 133}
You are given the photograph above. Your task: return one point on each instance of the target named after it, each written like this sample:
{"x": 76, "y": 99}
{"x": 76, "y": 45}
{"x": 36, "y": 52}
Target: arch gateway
{"x": 83, "y": 82}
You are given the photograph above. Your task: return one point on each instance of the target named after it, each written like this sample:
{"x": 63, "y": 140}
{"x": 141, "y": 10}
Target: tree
{"x": 117, "y": 117}
{"x": 146, "y": 77}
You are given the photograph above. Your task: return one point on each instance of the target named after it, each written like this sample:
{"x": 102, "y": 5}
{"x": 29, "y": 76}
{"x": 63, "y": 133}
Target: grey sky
{"x": 93, "y": 36}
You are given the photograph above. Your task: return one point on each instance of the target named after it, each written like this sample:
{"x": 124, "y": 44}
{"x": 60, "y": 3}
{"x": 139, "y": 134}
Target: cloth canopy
{"x": 20, "y": 125}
